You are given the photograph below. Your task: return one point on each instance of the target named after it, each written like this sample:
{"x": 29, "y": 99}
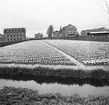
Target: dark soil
{"x": 97, "y": 74}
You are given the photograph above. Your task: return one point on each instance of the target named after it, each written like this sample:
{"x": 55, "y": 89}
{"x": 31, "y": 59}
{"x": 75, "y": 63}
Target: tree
{"x": 50, "y": 31}
{"x": 60, "y": 31}
{"x": 107, "y": 7}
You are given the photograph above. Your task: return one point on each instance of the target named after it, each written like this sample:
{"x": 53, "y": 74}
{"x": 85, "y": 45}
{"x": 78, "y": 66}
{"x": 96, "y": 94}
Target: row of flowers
{"x": 98, "y": 61}
{"x": 85, "y": 52}
{"x": 36, "y": 60}
{"x": 38, "y": 53}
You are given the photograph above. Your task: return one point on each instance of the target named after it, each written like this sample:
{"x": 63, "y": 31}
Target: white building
{"x": 14, "y": 34}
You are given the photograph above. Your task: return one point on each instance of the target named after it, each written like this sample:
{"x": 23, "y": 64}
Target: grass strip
{"x": 98, "y": 74}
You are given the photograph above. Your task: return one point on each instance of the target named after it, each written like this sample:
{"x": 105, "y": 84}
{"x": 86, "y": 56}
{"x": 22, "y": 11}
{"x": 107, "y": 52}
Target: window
{"x": 18, "y": 30}
{"x": 8, "y": 40}
{"x": 14, "y": 39}
{"x": 7, "y": 35}
{"x": 17, "y": 34}
{"x": 17, "y": 39}
{"x": 20, "y": 38}
{"x": 14, "y": 35}
{"x": 20, "y": 34}
{"x": 14, "y": 30}
{"x": 10, "y": 35}
{"x": 11, "y": 39}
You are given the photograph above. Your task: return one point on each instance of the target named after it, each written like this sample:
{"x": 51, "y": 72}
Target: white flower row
{"x": 34, "y": 60}
{"x": 96, "y": 61}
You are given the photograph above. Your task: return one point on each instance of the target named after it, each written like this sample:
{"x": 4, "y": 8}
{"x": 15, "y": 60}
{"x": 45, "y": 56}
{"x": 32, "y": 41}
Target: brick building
{"x": 14, "y": 34}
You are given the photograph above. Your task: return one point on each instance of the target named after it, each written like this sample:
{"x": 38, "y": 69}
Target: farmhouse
{"x": 38, "y": 36}
{"x": 100, "y": 34}
{"x": 97, "y": 30}
{"x": 57, "y": 34}
{"x": 69, "y": 31}
{"x": 66, "y": 32}
{"x": 14, "y": 34}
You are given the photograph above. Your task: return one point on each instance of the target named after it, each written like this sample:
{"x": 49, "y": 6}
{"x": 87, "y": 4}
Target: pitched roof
{"x": 99, "y": 32}
{"x": 96, "y": 29}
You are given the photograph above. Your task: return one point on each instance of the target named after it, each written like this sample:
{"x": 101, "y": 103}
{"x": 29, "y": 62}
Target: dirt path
{"x": 73, "y": 60}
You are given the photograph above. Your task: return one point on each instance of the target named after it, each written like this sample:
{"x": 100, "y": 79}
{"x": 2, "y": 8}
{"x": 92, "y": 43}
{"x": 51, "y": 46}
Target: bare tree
{"x": 50, "y": 31}
{"x": 107, "y": 6}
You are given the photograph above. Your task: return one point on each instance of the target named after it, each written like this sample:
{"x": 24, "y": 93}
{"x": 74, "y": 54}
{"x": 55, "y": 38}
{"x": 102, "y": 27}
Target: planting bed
{"x": 23, "y": 96}
{"x": 33, "y": 52}
{"x": 87, "y": 52}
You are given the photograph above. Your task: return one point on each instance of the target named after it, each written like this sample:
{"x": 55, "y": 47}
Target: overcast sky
{"x": 37, "y": 15}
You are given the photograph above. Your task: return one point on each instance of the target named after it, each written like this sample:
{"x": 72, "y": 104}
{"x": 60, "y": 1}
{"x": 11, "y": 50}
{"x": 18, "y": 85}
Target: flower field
{"x": 87, "y": 52}
{"x": 47, "y": 52}
{"x": 32, "y": 52}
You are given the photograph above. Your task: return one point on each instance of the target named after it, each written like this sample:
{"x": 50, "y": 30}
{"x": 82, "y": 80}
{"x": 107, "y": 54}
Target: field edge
{"x": 43, "y": 70}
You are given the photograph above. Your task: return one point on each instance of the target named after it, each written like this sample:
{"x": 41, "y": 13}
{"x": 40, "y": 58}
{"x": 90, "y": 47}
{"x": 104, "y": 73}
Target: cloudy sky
{"x": 37, "y": 15}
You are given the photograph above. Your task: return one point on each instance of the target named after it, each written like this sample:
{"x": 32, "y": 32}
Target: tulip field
{"x": 87, "y": 52}
{"x": 32, "y": 52}
{"x": 46, "y": 52}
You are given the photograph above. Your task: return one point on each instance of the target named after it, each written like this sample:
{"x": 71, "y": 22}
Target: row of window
{"x": 14, "y": 30}
{"x": 10, "y": 31}
{"x": 18, "y": 39}
{"x": 71, "y": 29}
{"x": 14, "y": 35}
{"x": 72, "y": 32}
